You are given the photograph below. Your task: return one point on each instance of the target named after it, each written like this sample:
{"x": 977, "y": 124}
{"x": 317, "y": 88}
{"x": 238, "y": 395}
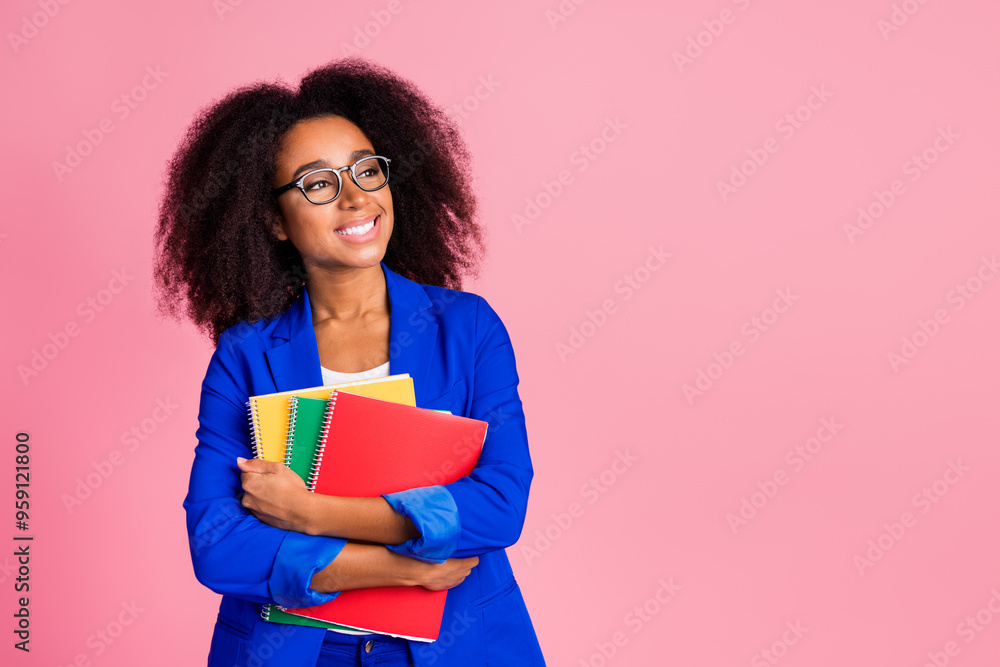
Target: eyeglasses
{"x": 322, "y": 186}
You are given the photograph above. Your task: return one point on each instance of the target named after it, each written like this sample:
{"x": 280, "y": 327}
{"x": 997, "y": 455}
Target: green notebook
{"x": 305, "y": 424}
{"x": 306, "y": 417}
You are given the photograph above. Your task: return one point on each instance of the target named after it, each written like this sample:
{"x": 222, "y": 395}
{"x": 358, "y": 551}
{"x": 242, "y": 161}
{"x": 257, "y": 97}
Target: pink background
{"x": 677, "y": 129}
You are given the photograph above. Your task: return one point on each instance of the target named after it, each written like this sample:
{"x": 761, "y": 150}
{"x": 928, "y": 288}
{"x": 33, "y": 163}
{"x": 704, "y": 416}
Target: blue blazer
{"x": 460, "y": 357}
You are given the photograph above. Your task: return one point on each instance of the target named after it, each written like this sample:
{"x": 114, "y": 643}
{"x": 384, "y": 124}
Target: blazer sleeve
{"x": 233, "y": 552}
{"x": 485, "y": 510}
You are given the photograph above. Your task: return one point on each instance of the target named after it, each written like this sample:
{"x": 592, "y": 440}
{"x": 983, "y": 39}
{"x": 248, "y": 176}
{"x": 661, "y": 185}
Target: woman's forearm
{"x": 365, "y": 566}
{"x": 368, "y": 519}
{"x": 372, "y": 565}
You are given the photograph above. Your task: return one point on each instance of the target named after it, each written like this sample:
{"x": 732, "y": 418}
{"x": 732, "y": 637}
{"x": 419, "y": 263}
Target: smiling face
{"x": 320, "y": 232}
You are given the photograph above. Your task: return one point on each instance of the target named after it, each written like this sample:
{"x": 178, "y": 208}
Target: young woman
{"x": 320, "y": 235}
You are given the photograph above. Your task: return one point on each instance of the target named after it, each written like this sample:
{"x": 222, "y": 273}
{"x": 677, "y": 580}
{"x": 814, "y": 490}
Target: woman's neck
{"x": 350, "y": 294}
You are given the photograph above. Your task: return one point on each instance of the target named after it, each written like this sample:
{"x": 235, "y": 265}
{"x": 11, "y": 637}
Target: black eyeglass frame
{"x": 297, "y": 183}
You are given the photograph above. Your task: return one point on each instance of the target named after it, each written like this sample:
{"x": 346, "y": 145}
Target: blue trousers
{"x": 372, "y": 650}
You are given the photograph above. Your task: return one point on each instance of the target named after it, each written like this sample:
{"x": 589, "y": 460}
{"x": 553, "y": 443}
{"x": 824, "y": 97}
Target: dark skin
{"x": 350, "y": 312}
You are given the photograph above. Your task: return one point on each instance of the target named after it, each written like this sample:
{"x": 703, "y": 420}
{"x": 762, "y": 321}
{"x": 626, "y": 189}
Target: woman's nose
{"x": 352, "y": 194}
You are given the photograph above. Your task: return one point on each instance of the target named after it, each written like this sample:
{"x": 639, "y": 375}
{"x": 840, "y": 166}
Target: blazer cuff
{"x": 300, "y": 557}
{"x": 435, "y": 514}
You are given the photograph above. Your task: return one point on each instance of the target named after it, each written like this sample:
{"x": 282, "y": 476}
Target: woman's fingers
{"x": 450, "y": 573}
{"x": 272, "y": 492}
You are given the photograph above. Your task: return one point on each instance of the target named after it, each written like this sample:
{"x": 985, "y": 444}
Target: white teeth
{"x": 354, "y": 231}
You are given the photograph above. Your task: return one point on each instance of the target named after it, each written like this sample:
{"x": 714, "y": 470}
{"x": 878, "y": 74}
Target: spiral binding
{"x": 321, "y": 445}
{"x": 266, "y": 609}
{"x": 293, "y": 411}
{"x": 254, "y": 430}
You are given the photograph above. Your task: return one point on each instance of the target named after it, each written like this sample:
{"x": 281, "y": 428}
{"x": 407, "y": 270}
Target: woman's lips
{"x": 360, "y": 238}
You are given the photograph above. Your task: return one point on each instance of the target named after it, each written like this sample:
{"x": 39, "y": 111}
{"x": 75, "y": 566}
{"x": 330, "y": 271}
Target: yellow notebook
{"x": 268, "y": 413}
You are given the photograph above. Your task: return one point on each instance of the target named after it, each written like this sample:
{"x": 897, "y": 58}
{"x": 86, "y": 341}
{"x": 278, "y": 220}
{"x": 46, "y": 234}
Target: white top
{"x": 333, "y": 377}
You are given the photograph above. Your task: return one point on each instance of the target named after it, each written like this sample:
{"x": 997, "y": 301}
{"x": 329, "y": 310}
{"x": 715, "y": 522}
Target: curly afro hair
{"x": 214, "y": 241}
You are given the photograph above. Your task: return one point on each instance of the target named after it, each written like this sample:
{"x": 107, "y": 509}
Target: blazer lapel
{"x": 294, "y": 359}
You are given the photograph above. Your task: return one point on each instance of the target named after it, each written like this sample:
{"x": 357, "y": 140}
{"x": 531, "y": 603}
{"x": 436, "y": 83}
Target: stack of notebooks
{"x": 363, "y": 439}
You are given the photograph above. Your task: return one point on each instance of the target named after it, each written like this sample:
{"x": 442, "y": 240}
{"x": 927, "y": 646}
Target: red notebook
{"x": 369, "y": 447}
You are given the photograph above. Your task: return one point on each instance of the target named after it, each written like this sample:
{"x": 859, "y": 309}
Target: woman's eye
{"x": 316, "y": 185}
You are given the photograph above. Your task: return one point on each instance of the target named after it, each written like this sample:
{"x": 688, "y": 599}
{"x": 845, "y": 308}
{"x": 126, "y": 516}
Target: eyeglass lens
{"x": 323, "y": 186}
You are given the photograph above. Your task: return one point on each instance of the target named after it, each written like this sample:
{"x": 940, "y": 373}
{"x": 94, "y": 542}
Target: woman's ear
{"x": 278, "y": 228}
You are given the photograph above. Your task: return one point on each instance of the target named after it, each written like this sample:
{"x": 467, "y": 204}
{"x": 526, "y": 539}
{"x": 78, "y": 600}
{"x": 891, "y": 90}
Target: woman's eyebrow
{"x": 321, "y": 163}
{"x": 358, "y": 154}
{"x": 315, "y": 164}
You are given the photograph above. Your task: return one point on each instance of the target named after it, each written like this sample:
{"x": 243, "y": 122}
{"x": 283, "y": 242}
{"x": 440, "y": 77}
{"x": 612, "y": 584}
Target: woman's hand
{"x": 275, "y": 495}
{"x": 442, "y": 576}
